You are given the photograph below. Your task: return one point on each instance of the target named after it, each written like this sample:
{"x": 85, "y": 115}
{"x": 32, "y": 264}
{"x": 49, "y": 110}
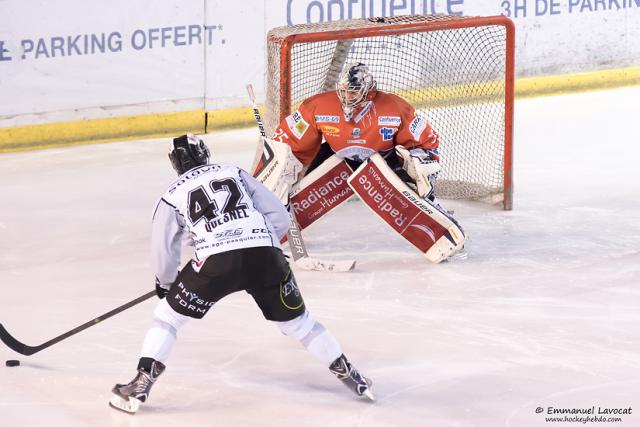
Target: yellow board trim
{"x": 231, "y": 118}
{"x": 159, "y": 125}
{"x": 531, "y": 87}
{"x": 93, "y": 131}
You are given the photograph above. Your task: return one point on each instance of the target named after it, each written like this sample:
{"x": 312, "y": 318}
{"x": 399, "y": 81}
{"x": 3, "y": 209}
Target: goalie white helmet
{"x": 353, "y": 87}
{"x": 187, "y": 152}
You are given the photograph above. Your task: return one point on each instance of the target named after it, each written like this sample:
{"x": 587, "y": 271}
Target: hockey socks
{"x": 162, "y": 335}
{"x": 324, "y": 347}
{"x": 313, "y": 336}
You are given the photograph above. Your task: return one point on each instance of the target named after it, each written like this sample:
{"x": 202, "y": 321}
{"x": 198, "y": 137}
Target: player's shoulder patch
{"x": 417, "y": 126}
{"x": 297, "y": 124}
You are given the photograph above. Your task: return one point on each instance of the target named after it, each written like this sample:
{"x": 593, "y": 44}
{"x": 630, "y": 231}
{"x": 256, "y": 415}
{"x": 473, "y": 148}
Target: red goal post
{"x": 458, "y": 72}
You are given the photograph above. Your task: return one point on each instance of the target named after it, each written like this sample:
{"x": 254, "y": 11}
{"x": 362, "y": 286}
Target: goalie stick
{"x": 28, "y": 350}
{"x": 294, "y": 236}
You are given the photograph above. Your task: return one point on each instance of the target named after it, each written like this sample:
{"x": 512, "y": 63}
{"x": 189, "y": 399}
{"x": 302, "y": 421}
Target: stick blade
{"x": 14, "y": 344}
{"x": 314, "y": 264}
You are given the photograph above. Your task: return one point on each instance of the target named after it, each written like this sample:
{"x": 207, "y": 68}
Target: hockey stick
{"x": 294, "y": 235}
{"x": 28, "y": 350}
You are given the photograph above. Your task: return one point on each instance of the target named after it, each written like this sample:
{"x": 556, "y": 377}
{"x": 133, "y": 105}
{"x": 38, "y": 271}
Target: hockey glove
{"x": 422, "y": 167}
{"x": 161, "y": 290}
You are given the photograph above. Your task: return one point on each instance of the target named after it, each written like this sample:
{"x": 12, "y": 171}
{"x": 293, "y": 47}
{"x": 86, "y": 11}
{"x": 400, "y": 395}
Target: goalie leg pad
{"x": 433, "y": 232}
{"x": 321, "y": 190}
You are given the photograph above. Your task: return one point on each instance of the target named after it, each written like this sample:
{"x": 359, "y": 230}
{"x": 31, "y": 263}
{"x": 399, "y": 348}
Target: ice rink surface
{"x": 544, "y": 312}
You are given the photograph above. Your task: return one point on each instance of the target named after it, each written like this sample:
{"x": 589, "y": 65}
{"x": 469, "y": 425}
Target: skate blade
{"x": 369, "y": 395}
{"x": 460, "y": 255}
{"x": 130, "y": 406}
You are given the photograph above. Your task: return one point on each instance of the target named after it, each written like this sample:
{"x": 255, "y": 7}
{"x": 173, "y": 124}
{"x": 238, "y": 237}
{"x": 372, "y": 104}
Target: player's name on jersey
{"x": 229, "y": 216}
{"x": 191, "y": 175}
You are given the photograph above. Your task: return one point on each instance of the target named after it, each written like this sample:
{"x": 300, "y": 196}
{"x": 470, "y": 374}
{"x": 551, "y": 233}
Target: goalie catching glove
{"x": 422, "y": 166}
{"x": 278, "y": 169}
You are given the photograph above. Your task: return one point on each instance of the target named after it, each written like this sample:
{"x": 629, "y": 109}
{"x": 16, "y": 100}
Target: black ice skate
{"x": 128, "y": 397}
{"x": 351, "y": 377}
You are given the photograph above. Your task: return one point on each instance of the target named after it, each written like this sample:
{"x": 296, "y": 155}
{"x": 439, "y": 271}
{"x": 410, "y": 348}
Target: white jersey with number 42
{"x": 221, "y": 208}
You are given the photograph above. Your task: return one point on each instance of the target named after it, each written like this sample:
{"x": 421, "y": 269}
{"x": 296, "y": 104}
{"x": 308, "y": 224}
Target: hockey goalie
{"x": 374, "y": 146}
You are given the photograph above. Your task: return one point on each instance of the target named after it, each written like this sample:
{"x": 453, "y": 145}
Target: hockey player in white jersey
{"x": 235, "y": 224}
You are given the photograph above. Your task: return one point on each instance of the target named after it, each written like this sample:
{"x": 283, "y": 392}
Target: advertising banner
{"x": 76, "y": 60}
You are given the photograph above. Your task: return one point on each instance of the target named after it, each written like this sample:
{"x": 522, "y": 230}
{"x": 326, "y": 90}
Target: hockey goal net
{"x": 456, "y": 71}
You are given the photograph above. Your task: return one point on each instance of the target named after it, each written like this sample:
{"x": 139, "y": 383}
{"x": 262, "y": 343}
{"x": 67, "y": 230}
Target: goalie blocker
{"x": 278, "y": 169}
{"x": 434, "y": 233}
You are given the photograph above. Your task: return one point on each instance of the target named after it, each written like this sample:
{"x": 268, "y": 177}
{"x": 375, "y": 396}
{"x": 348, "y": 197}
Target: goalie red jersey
{"x": 359, "y": 122}
{"x": 383, "y": 121}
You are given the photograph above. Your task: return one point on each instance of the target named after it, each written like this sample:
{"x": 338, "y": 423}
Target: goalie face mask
{"x": 353, "y": 87}
{"x": 187, "y": 152}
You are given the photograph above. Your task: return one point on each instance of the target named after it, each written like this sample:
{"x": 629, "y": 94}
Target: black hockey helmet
{"x": 187, "y": 152}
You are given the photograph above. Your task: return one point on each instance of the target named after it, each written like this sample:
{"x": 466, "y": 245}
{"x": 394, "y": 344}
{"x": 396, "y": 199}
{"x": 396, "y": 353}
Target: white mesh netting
{"x": 454, "y": 77}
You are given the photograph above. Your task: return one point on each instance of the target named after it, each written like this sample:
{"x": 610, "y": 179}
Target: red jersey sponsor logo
{"x": 387, "y": 133}
{"x": 364, "y": 112}
{"x": 389, "y": 121}
{"x": 329, "y": 130}
{"x": 316, "y": 200}
{"x": 399, "y": 209}
{"x": 327, "y": 119}
{"x": 355, "y": 153}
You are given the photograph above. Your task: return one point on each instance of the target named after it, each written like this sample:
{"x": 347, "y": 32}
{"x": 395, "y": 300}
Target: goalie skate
{"x": 351, "y": 378}
{"x": 128, "y": 397}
